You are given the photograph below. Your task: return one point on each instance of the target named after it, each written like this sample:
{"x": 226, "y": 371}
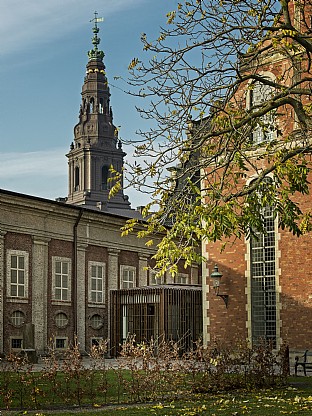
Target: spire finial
{"x": 95, "y": 53}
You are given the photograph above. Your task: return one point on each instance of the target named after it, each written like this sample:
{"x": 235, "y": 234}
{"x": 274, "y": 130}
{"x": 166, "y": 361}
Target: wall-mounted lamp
{"x": 216, "y": 277}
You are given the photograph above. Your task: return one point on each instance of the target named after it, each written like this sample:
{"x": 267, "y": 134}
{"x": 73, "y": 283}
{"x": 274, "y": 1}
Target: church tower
{"x": 96, "y": 147}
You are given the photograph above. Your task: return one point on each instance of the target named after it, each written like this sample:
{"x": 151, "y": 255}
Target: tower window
{"x": 91, "y": 105}
{"x": 101, "y": 106}
{"x": 105, "y": 172}
{"x": 77, "y": 178}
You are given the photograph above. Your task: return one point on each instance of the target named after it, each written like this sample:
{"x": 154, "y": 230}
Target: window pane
{"x": 13, "y": 276}
{"x": 14, "y": 262}
{"x": 65, "y": 267}
{"x": 57, "y": 293}
{"x": 21, "y": 262}
{"x": 13, "y": 290}
{"x": 21, "y": 277}
{"x": 21, "y": 291}
{"x": 58, "y": 267}
{"x": 57, "y": 280}
{"x": 65, "y": 281}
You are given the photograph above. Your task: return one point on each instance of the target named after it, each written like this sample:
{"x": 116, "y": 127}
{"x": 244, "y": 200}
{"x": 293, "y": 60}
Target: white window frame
{"x": 96, "y": 280}
{"x": 17, "y": 253}
{"x": 125, "y": 281}
{"x": 182, "y": 279}
{"x": 68, "y": 288}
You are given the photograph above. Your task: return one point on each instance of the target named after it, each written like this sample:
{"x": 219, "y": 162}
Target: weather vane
{"x": 96, "y": 19}
{"x": 95, "y": 53}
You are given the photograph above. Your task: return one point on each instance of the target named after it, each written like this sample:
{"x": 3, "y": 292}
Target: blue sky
{"x": 43, "y": 55}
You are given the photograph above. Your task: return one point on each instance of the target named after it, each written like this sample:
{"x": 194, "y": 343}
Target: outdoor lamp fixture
{"x": 216, "y": 277}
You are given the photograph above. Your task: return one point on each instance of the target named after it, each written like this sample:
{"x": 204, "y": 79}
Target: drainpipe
{"x": 75, "y": 268}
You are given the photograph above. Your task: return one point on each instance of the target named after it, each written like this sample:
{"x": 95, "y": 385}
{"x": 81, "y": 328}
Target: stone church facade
{"x": 61, "y": 260}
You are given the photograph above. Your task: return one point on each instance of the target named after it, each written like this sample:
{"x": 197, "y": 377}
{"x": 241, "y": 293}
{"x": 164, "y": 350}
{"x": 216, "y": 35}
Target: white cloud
{"x": 45, "y": 163}
{"x": 44, "y": 174}
{"x": 27, "y": 24}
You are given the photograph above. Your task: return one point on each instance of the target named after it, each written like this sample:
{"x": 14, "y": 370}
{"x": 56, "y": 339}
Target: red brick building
{"x": 267, "y": 280}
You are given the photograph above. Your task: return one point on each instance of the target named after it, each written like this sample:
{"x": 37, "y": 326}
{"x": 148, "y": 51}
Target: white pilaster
{"x": 2, "y": 260}
{"x": 81, "y": 296}
{"x": 39, "y": 291}
{"x": 112, "y": 280}
{"x": 194, "y": 274}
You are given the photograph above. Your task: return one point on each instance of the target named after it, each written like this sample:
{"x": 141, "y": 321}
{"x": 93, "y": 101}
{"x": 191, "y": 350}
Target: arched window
{"x": 105, "y": 173}
{"x": 265, "y": 130}
{"x": 101, "y": 106}
{"x": 77, "y": 177}
{"x": 263, "y": 281}
{"x": 91, "y": 105}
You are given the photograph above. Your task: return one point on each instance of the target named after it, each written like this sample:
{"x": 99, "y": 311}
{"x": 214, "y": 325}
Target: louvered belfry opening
{"x": 170, "y": 313}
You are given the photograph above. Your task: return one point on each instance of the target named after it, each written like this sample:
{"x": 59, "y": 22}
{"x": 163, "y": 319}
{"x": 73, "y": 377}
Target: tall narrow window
{"x": 263, "y": 285}
{"x": 61, "y": 279}
{"x": 105, "y": 172}
{"x": 77, "y": 177}
{"x": 101, "y": 107}
{"x": 17, "y": 273}
{"x": 96, "y": 282}
{"x": 264, "y": 130}
{"x": 92, "y": 105}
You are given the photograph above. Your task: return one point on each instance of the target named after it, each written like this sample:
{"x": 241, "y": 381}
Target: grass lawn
{"x": 294, "y": 399}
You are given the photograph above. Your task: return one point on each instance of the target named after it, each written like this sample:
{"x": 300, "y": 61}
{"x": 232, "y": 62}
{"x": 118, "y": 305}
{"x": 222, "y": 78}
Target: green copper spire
{"x": 95, "y": 53}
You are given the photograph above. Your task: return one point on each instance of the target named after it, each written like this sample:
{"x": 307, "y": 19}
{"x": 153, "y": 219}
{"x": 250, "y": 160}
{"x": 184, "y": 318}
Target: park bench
{"x": 305, "y": 361}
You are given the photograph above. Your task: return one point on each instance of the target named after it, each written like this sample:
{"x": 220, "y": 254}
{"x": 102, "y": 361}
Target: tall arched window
{"x": 105, "y": 173}
{"x": 91, "y": 105}
{"x": 101, "y": 106}
{"x": 263, "y": 281}
{"x": 265, "y": 130}
{"x": 77, "y": 177}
